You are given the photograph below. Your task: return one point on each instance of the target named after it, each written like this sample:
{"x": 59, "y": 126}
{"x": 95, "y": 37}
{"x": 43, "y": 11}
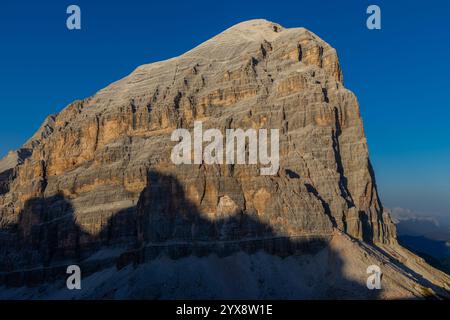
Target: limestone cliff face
{"x": 98, "y": 176}
{"x": 98, "y": 152}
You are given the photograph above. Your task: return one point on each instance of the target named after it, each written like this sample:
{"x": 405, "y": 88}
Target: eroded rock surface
{"x": 100, "y": 172}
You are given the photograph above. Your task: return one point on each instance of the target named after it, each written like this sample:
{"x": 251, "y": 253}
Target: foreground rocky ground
{"x": 335, "y": 271}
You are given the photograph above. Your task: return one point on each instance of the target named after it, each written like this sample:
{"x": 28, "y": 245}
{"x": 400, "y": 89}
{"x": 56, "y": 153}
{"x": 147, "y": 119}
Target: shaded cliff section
{"x": 9, "y": 165}
{"x": 47, "y": 232}
{"x": 168, "y": 233}
{"x": 164, "y": 223}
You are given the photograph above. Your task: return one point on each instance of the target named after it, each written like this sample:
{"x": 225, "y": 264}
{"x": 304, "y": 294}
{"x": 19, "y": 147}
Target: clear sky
{"x": 399, "y": 73}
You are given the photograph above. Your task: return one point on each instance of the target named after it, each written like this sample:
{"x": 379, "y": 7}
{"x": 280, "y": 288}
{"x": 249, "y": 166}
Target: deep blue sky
{"x": 400, "y": 73}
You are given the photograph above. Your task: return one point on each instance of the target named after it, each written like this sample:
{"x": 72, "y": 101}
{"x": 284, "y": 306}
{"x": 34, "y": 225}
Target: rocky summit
{"x": 96, "y": 187}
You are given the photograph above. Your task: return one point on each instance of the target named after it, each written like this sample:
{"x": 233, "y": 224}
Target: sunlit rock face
{"x": 100, "y": 173}
{"x": 98, "y": 152}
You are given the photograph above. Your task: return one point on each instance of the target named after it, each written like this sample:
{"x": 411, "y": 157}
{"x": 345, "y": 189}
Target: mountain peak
{"x": 262, "y": 25}
{"x": 251, "y": 30}
{"x": 101, "y": 176}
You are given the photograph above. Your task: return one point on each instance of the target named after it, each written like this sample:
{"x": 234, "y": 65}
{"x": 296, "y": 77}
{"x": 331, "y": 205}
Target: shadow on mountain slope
{"x": 165, "y": 223}
{"x": 435, "y": 252}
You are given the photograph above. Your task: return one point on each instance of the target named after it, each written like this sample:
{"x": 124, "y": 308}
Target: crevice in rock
{"x": 97, "y": 132}
{"x": 375, "y": 190}
{"x": 44, "y": 176}
{"x": 291, "y": 174}
{"x": 300, "y": 52}
{"x": 133, "y": 114}
{"x": 367, "y": 227}
{"x": 340, "y": 168}
{"x": 325, "y": 95}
